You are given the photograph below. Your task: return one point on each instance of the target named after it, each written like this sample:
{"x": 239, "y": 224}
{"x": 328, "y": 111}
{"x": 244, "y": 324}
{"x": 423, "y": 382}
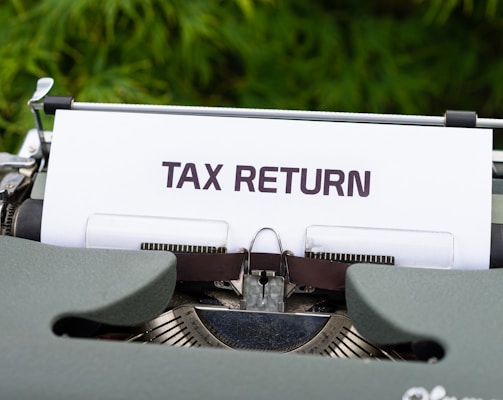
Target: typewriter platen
{"x": 239, "y": 324}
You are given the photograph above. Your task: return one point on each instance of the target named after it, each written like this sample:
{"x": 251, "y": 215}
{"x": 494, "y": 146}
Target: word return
{"x": 269, "y": 179}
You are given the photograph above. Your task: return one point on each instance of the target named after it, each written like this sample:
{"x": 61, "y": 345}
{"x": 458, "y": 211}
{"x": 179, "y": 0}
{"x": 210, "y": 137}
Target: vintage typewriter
{"x": 144, "y": 306}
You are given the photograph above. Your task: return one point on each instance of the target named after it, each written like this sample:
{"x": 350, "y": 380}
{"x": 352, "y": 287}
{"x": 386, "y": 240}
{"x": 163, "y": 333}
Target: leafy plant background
{"x": 391, "y": 56}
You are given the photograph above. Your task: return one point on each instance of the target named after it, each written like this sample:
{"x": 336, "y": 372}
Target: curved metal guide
{"x": 316, "y": 334}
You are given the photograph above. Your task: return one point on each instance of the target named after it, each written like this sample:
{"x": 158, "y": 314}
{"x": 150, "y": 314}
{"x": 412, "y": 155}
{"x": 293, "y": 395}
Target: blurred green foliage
{"x": 392, "y": 56}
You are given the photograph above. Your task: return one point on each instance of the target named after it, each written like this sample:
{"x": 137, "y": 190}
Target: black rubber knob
{"x": 53, "y": 103}
{"x": 461, "y": 119}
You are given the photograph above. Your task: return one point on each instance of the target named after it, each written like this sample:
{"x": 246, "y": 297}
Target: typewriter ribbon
{"x": 212, "y": 264}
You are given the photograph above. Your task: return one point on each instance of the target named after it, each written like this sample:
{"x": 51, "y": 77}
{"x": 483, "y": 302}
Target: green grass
{"x": 394, "y": 56}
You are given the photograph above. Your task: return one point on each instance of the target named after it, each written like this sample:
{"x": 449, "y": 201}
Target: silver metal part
{"x": 263, "y": 291}
{"x": 180, "y": 327}
{"x": 316, "y": 334}
{"x": 8, "y": 160}
{"x": 237, "y": 285}
{"x": 395, "y": 119}
{"x": 9, "y": 184}
{"x": 31, "y": 145}
{"x": 261, "y": 230}
{"x": 16, "y": 172}
{"x": 44, "y": 86}
{"x": 262, "y": 113}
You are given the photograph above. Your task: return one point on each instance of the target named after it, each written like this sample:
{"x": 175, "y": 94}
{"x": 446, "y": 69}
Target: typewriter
{"x": 113, "y": 304}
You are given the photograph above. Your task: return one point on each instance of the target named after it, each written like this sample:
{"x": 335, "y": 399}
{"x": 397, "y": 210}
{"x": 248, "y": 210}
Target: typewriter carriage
{"x": 21, "y": 194}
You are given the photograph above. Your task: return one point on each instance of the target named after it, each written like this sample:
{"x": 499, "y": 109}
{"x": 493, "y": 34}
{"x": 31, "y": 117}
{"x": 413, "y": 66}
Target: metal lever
{"x": 44, "y": 85}
{"x": 8, "y": 160}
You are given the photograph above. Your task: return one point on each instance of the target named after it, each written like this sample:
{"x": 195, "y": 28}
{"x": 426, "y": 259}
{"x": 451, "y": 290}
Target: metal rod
{"x": 489, "y": 123}
{"x": 264, "y": 113}
{"x": 281, "y": 114}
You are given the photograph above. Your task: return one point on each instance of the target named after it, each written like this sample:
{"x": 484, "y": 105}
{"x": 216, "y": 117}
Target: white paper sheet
{"x": 415, "y": 178}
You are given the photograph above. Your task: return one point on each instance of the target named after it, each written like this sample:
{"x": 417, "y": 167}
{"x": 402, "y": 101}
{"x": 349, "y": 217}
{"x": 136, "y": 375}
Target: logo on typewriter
{"x": 269, "y": 179}
{"x": 437, "y": 393}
